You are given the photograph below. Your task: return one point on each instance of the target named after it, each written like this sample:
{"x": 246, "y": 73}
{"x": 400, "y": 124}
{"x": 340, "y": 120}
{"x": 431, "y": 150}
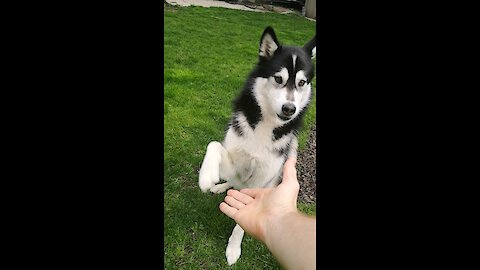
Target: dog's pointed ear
{"x": 311, "y": 47}
{"x": 268, "y": 43}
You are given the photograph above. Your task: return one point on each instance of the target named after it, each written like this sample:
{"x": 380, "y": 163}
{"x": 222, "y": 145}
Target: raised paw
{"x": 208, "y": 176}
{"x": 220, "y": 188}
{"x": 233, "y": 253}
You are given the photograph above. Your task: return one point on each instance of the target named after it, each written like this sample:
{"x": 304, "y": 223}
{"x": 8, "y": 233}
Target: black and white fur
{"x": 262, "y": 133}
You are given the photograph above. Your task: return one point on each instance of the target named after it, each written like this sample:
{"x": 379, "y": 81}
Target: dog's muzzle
{"x": 287, "y": 111}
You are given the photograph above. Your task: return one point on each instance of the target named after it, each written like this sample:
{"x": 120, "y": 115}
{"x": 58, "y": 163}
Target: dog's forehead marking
{"x": 294, "y": 57}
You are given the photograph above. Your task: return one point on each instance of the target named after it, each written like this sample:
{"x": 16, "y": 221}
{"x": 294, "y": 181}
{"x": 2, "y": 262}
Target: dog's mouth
{"x": 284, "y": 118}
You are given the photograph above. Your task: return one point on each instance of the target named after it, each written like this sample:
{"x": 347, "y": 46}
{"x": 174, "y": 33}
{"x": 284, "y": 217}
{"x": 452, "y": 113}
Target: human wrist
{"x": 274, "y": 223}
{"x": 291, "y": 239}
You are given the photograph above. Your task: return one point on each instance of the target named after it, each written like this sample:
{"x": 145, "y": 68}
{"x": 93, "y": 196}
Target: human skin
{"x": 271, "y": 215}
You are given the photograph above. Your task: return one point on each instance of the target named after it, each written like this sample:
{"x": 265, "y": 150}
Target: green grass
{"x": 208, "y": 53}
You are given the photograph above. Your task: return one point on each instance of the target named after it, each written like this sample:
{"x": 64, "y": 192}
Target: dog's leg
{"x": 220, "y": 188}
{"x": 216, "y": 164}
{"x": 234, "y": 247}
{"x": 226, "y": 171}
{"x": 209, "y": 172}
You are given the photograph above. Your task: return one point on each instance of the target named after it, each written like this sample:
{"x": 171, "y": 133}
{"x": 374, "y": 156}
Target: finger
{"x": 289, "y": 170}
{"x": 228, "y": 210}
{"x": 290, "y": 180}
{"x": 252, "y": 192}
{"x": 244, "y": 198}
{"x": 291, "y": 161}
{"x": 234, "y": 203}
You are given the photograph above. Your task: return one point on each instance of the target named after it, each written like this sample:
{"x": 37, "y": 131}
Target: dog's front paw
{"x": 233, "y": 253}
{"x": 220, "y": 188}
{"x": 208, "y": 176}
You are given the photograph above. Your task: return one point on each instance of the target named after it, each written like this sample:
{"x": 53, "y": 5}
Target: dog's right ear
{"x": 268, "y": 43}
{"x": 311, "y": 47}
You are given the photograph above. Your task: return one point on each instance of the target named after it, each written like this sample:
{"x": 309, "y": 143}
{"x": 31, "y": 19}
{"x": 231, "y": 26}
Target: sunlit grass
{"x": 208, "y": 53}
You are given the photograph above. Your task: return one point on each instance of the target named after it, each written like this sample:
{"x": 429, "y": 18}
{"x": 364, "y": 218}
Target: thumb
{"x": 289, "y": 171}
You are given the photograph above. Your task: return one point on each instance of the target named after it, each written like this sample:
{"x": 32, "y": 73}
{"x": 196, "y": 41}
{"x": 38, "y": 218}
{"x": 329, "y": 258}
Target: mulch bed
{"x": 306, "y": 169}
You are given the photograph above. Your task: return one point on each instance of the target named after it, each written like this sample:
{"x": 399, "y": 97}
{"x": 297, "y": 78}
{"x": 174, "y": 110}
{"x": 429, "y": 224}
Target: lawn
{"x": 208, "y": 53}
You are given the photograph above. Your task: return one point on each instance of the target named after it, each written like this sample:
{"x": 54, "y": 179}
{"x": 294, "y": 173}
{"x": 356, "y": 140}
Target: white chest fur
{"x": 255, "y": 154}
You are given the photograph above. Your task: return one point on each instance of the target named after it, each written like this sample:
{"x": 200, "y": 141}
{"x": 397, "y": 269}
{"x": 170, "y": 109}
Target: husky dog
{"x": 262, "y": 133}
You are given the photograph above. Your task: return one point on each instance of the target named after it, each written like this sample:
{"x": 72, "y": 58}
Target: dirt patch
{"x": 306, "y": 169}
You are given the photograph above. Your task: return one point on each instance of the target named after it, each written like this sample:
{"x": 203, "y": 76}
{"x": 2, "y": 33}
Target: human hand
{"x": 256, "y": 209}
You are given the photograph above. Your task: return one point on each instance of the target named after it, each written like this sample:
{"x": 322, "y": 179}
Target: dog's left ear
{"x": 311, "y": 47}
{"x": 268, "y": 43}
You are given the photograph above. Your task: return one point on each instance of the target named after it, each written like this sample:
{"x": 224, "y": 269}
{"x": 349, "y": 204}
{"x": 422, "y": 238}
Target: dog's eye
{"x": 301, "y": 83}
{"x": 278, "y": 79}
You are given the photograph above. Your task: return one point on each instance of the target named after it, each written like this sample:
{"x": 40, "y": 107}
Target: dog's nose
{"x": 288, "y": 109}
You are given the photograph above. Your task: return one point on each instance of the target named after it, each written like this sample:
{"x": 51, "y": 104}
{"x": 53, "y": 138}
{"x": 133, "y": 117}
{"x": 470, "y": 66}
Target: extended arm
{"x": 271, "y": 216}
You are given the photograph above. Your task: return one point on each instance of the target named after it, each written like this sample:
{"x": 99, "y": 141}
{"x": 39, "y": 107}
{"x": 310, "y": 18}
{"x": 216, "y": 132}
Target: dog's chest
{"x": 260, "y": 142}
{"x": 256, "y": 155}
